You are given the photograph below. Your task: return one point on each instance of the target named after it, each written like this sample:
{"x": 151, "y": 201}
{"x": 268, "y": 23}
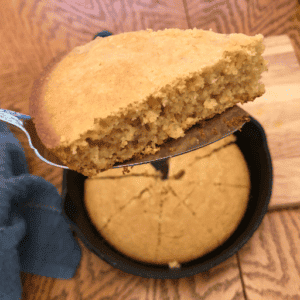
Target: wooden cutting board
{"x": 278, "y": 111}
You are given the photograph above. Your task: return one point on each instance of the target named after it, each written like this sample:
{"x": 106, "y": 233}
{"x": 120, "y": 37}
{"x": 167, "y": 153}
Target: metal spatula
{"x": 200, "y": 135}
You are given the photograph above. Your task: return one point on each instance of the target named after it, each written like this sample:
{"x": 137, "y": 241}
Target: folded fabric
{"x": 34, "y": 236}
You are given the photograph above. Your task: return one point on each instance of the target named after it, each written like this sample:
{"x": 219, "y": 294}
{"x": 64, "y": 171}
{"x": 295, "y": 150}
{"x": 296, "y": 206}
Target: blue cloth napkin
{"x": 34, "y": 236}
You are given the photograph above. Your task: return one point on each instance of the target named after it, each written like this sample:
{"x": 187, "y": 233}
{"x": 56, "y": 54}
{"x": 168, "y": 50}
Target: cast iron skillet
{"x": 253, "y": 143}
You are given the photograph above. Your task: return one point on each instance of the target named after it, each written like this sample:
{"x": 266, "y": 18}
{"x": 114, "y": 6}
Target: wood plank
{"x": 95, "y": 279}
{"x": 270, "y": 261}
{"x": 247, "y": 16}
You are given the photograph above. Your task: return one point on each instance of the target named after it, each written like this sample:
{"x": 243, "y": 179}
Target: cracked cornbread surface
{"x": 126, "y": 94}
{"x": 175, "y": 220}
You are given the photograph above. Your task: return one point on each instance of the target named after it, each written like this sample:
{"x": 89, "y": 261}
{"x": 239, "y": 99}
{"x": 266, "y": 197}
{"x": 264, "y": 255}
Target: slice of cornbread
{"x": 126, "y": 94}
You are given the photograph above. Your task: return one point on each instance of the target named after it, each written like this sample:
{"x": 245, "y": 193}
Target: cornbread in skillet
{"x": 124, "y": 95}
{"x": 175, "y": 220}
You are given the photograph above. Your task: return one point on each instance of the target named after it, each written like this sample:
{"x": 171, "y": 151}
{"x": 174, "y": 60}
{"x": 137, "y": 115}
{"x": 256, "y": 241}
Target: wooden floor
{"x": 35, "y": 31}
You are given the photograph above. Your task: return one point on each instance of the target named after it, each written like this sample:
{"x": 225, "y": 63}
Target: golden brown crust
{"x": 37, "y": 111}
{"x": 105, "y": 76}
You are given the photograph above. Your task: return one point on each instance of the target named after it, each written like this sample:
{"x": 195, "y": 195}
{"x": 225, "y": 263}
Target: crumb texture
{"x": 175, "y": 220}
{"x": 124, "y": 95}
